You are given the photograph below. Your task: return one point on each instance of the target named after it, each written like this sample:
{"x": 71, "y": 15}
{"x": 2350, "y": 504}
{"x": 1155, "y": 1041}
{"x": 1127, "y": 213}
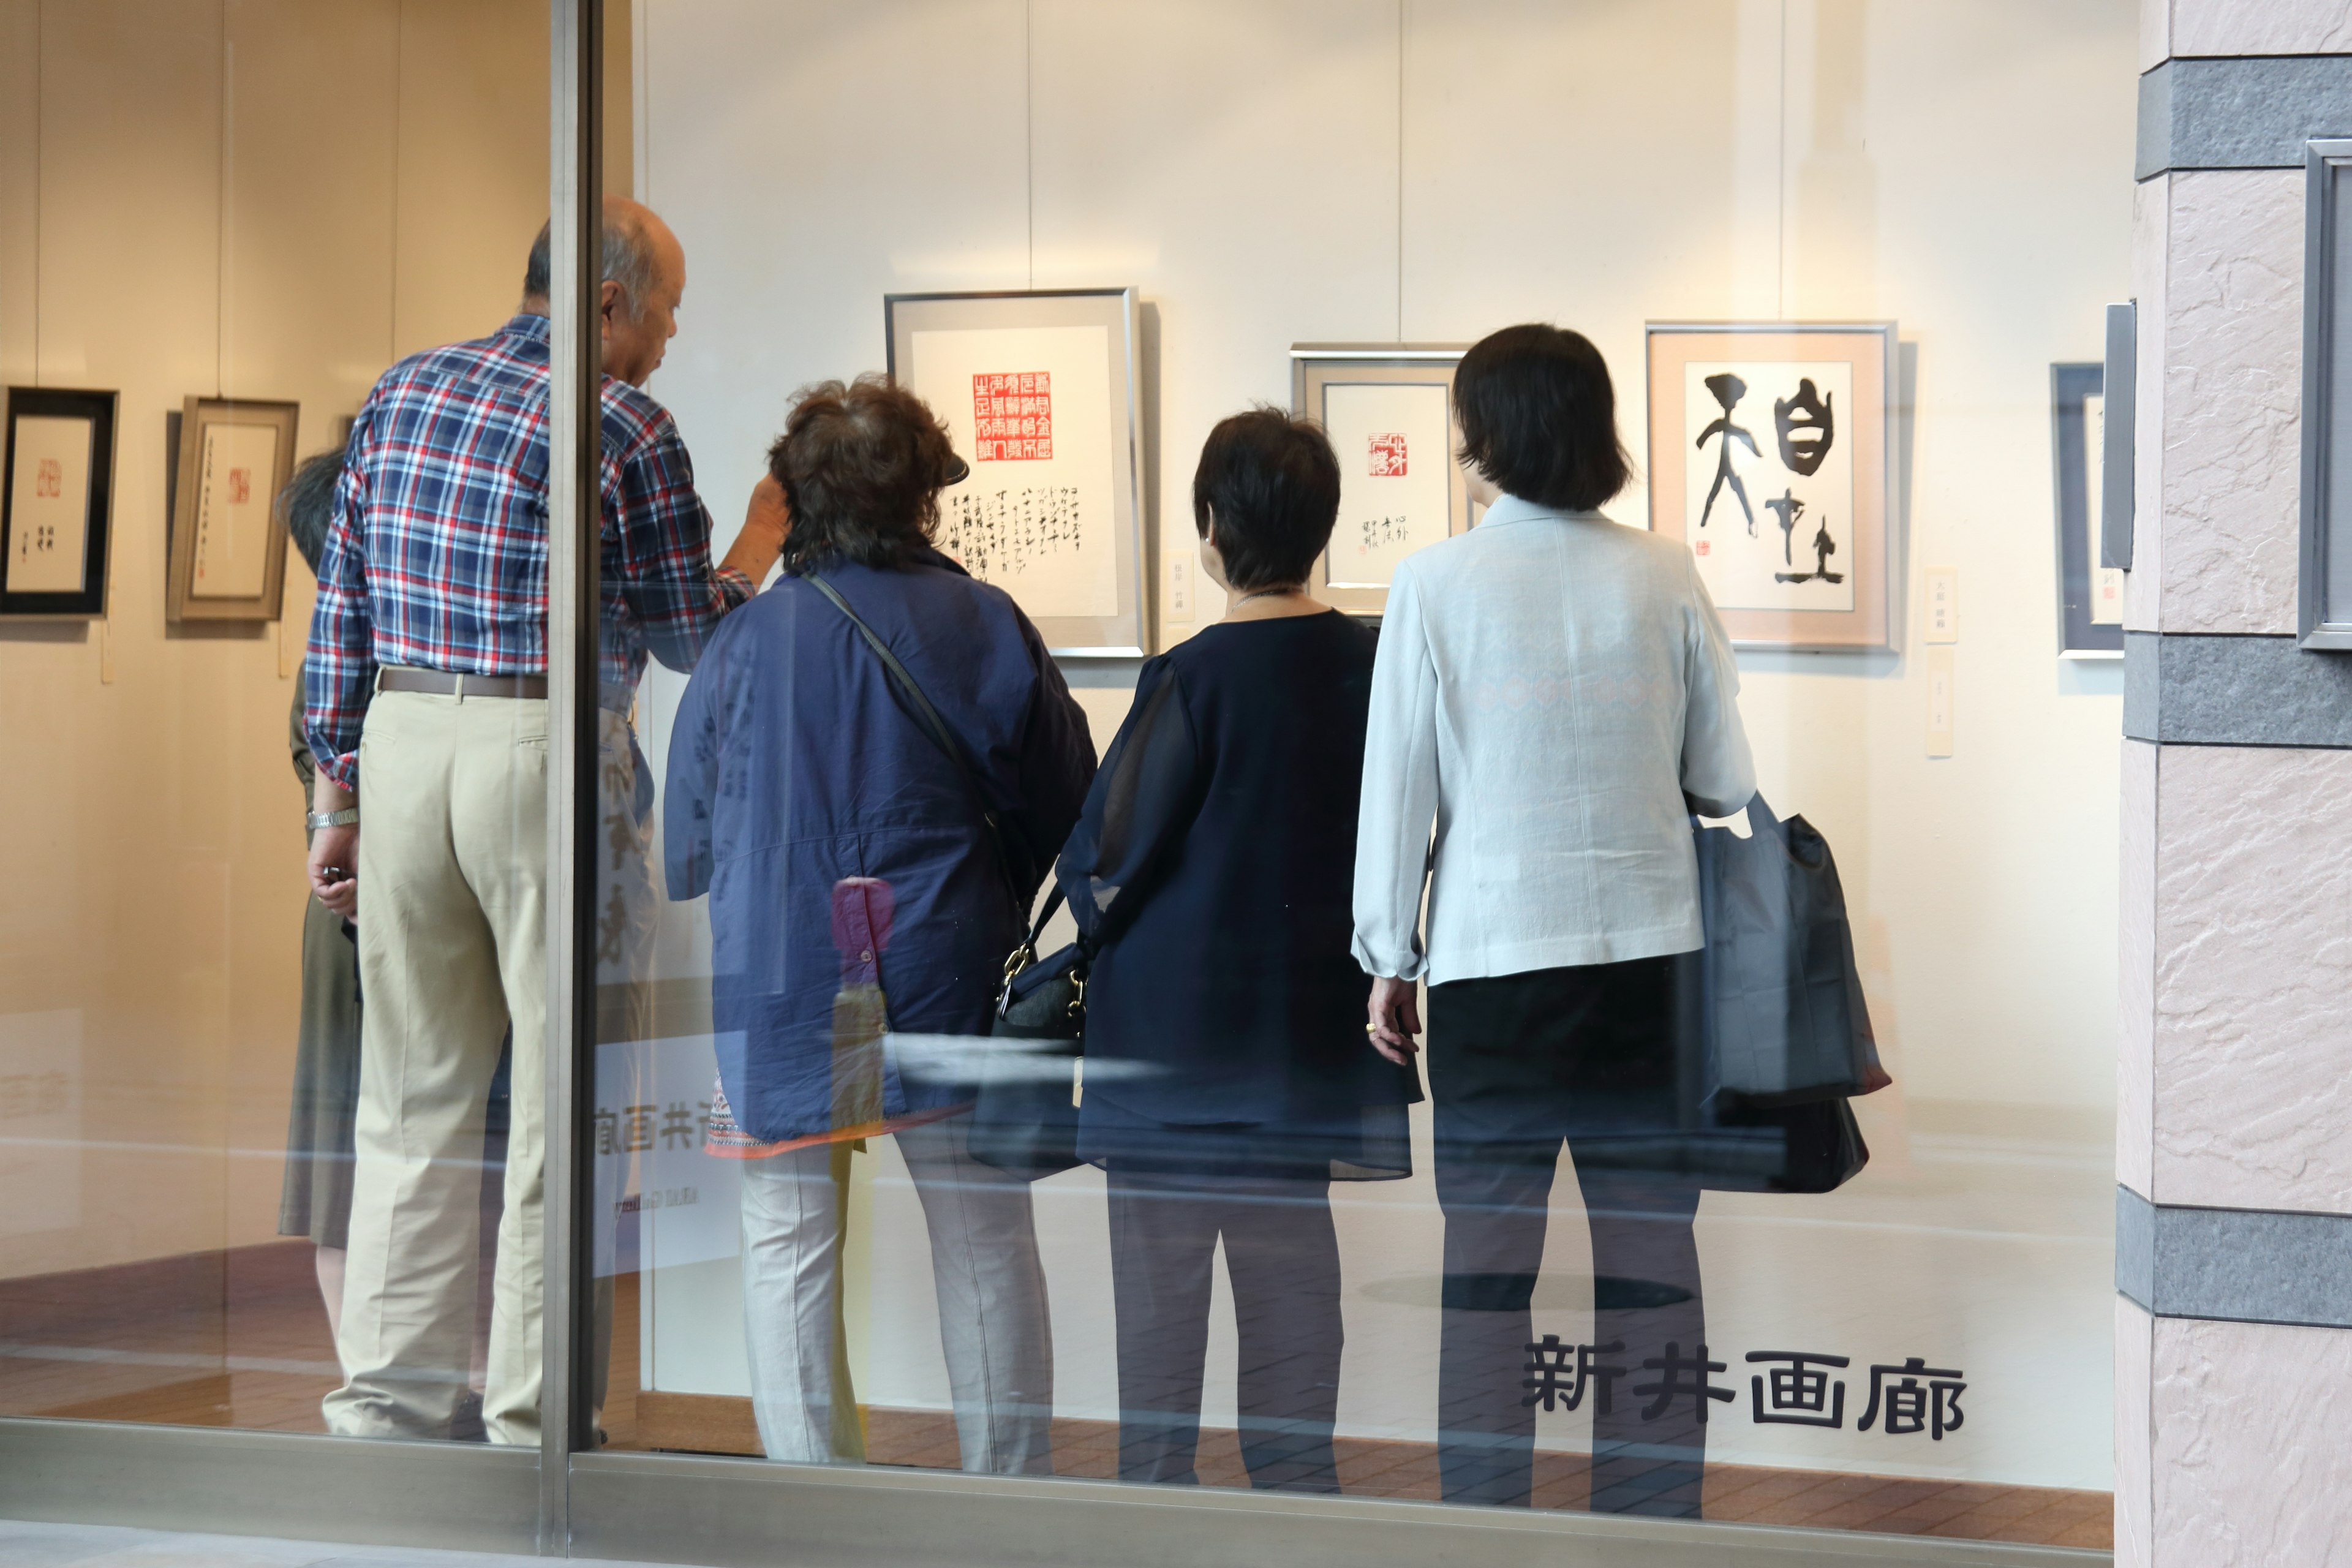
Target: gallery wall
{"x": 1386, "y": 170}
{"x": 259, "y": 198}
{"x": 1367, "y": 170}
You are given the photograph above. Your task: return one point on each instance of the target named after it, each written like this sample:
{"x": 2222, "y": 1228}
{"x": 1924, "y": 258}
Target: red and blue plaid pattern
{"x": 437, "y": 556}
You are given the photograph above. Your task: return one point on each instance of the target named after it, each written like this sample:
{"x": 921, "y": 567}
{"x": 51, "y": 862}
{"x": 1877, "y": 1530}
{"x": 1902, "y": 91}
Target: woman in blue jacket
{"x": 811, "y": 803}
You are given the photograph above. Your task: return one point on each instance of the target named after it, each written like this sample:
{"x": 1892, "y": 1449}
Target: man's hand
{"x": 765, "y": 523}
{"x": 335, "y": 852}
{"x": 1394, "y": 1019}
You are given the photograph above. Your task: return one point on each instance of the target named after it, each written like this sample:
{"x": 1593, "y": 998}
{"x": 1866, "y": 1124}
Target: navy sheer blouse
{"x": 1211, "y": 876}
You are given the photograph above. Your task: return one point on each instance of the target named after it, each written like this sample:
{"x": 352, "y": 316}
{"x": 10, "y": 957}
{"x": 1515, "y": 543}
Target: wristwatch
{"x": 347, "y": 818}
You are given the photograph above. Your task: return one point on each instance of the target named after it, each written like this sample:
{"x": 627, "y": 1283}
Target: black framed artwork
{"x": 57, "y": 495}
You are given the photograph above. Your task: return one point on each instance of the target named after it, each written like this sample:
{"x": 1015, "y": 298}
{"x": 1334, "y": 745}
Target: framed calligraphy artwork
{"x": 1389, "y": 410}
{"x": 1768, "y": 457}
{"x": 56, "y": 488}
{"x": 1039, "y": 393}
{"x": 228, "y": 541}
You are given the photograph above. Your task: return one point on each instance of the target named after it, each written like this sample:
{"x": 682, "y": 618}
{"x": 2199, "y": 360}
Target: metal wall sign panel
{"x": 728, "y": 1513}
{"x": 459, "y": 1495}
{"x": 2324, "y": 594}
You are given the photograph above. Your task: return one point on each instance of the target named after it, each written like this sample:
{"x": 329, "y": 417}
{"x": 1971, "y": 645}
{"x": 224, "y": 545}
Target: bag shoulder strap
{"x": 929, "y": 717}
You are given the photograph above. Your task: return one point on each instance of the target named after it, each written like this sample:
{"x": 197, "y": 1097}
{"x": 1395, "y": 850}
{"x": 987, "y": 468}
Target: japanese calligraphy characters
{"x": 1029, "y": 408}
{"x": 999, "y": 534}
{"x": 1805, "y": 472}
{"x": 48, "y": 507}
{"x": 1394, "y": 454}
{"x": 233, "y": 525}
{"x": 1789, "y": 1388}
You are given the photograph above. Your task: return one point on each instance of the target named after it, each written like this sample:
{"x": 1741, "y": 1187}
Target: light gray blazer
{"x": 1549, "y": 688}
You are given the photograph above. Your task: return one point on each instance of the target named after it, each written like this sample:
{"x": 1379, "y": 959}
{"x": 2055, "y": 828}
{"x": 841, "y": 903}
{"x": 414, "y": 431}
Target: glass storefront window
{"x": 1174, "y": 579}
{"x": 1558, "y": 1260}
{"x": 259, "y": 1154}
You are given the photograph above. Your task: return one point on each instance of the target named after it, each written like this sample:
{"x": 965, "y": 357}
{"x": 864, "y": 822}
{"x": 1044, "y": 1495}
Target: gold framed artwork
{"x": 228, "y": 544}
{"x": 1768, "y": 457}
{"x": 1389, "y": 411}
{"x": 57, "y": 488}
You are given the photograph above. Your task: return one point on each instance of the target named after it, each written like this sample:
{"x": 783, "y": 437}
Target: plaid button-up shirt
{"x": 437, "y": 555}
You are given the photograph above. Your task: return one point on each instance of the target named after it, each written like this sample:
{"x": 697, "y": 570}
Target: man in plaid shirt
{"x": 427, "y": 686}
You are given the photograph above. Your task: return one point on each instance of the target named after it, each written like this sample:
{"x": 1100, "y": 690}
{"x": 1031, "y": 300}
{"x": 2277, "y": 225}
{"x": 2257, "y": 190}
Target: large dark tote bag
{"x": 1786, "y": 1033}
{"x": 1024, "y": 1116}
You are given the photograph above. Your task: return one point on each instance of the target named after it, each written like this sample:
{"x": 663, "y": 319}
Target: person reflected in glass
{"x": 315, "y": 1196}
{"x": 1554, "y": 695}
{"x": 1227, "y": 1082}
{"x": 850, "y": 871}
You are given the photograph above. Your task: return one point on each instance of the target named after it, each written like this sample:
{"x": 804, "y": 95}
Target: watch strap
{"x": 347, "y": 818}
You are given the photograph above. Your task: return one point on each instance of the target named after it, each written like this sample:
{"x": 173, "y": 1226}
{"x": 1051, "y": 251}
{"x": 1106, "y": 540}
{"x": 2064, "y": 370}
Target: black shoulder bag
{"x": 1024, "y": 1119}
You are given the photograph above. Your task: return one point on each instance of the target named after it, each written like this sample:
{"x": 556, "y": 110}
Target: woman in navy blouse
{"x": 841, "y": 848}
{"x": 1230, "y": 1082}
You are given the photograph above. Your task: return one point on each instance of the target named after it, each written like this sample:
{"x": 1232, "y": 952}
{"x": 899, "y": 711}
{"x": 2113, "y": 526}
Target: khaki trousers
{"x": 452, "y": 940}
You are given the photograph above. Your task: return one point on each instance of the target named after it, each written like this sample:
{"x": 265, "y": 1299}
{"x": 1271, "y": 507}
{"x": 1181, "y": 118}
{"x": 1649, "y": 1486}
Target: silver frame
{"x": 1893, "y": 568}
{"x": 2321, "y": 625}
{"x": 2071, "y": 382}
{"x": 564, "y": 1501}
{"x": 1078, "y": 637}
{"x": 1401, "y": 361}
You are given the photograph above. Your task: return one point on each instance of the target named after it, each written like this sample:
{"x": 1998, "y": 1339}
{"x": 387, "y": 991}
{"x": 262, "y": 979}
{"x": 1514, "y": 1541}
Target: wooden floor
{"x": 238, "y": 1339}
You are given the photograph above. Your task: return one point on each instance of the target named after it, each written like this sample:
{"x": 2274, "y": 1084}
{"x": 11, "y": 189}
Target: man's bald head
{"x": 640, "y": 250}
{"x": 643, "y": 276}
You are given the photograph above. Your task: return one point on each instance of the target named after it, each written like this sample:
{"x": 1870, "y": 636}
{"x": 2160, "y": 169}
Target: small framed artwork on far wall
{"x": 1768, "y": 457}
{"x": 56, "y": 504}
{"x": 2090, "y": 596}
{"x": 1389, "y": 411}
{"x": 228, "y": 544}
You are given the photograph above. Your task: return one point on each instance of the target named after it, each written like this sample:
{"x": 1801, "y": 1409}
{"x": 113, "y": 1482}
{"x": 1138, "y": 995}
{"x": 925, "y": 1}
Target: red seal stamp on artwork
{"x": 1012, "y": 416}
{"x": 49, "y": 481}
{"x": 240, "y": 486}
{"x": 1388, "y": 456}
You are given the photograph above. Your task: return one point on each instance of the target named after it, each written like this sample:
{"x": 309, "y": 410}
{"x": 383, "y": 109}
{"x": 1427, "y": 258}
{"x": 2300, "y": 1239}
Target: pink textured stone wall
{"x": 2252, "y": 1049}
{"x": 2232, "y": 351}
{"x": 2252, "y": 1462}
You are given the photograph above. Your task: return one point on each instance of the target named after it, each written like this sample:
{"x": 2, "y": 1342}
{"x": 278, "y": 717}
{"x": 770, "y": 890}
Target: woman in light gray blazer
{"x": 1555, "y": 694}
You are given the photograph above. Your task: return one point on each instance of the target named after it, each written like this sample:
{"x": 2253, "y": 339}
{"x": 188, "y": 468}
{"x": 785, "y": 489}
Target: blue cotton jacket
{"x": 794, "y": 765}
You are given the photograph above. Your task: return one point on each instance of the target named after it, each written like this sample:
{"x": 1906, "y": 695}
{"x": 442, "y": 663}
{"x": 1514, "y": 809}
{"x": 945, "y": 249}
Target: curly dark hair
{"x": 861, "y": 465}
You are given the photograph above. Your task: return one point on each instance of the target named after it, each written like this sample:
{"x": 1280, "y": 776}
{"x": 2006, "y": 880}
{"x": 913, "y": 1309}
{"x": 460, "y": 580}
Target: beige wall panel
{"x": 1239, "y": 164}
{"x": 2250, "y": 1453}
{"x": 2260, "y": 27}
{"x": 20, "y": 142}
{"x": 125, "y": 927}
{"x": 306, "y": 314}
{"x": 2233, "y": 389}
{"x": 786, "y": 268}
{"x": 473, "y": 165}
{"x": 2135, "y": 1054}
{"x": 2253, "y": 1050}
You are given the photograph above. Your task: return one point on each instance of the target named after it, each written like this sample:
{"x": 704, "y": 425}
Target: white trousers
{"x": 993, "y": 1325}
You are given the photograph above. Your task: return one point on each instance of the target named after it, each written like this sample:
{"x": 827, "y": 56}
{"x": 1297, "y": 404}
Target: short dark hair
{"x": 1266, "y": 494}
{"x": 1539, "y": 417}
{"x": 860, "y": 464}
{"x": 308, "y": 503}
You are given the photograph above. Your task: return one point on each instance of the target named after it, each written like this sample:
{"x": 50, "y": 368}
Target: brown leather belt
{"x": 446, "y": 683}
{"x": 443, "y": 683}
